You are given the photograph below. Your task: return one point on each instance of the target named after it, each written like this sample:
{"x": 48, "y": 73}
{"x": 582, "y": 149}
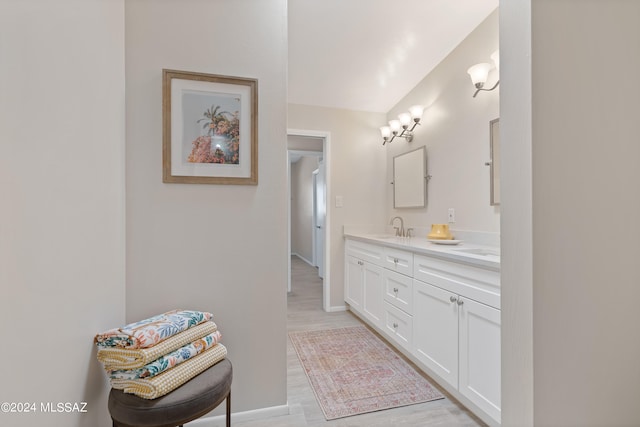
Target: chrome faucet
{"x": 399, "y": 231}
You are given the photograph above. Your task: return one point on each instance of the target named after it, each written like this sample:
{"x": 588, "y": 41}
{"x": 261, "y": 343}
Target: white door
{"x": 319, "y": 216}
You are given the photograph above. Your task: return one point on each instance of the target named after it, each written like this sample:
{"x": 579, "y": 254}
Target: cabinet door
{"x": 435, "y": 330}
{"x": 353, "y": 280}
{"x": 373, "y": 293}
{"x": 480, "y": 355}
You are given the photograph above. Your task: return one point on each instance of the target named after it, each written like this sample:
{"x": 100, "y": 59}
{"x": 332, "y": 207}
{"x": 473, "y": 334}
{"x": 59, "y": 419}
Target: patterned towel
{"x": 170, "y": 360}
{"x": 151, "y": 331}
{"x": 166, "y": 382}
{"x": 114, "y": 358}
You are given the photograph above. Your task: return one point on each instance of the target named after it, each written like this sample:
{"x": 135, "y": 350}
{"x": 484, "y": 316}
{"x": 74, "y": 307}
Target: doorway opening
{"x": 307, "y": 154}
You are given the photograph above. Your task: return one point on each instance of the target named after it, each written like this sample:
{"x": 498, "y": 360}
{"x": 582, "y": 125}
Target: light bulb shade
{"x": 385, "y": 131}
{"x": 405, "y": 119}
{"x": 479, "y": 73}
{"x": 495, "y": 57}
{"x": 395, "y": 125}
{"x": 416, "y": 112}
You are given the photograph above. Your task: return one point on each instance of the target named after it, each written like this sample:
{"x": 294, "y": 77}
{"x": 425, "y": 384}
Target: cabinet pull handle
{"x": 395, "y": 326}
{"x": 395, "y": 290}
{"x": 453, "y": 299}
{"x": 395, "y": 260}
{"x": 460, "y": 302}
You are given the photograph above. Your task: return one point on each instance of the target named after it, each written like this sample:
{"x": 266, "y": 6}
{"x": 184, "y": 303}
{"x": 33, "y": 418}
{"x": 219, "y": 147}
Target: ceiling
{"x": 367, "y": 54}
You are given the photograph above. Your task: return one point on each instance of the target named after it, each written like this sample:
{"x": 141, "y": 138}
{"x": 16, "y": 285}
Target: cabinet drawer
{"x": 398, "y": 326}
{"x": 472, "y": 282}
{"x": 398, "y": 261}
{"x": 398, "y": 290}
{"x": 365, "y": 251}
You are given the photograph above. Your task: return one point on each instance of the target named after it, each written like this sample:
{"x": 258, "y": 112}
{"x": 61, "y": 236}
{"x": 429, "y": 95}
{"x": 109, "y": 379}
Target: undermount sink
{"x": 480, "y": 251}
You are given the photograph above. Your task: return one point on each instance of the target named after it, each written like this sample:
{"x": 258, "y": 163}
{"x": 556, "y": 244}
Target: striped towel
{"x": 151, "y": 331}
{"x": 166, "y": 382}
{"x": 168, "y": 361}
{"x": 115, "y": 358}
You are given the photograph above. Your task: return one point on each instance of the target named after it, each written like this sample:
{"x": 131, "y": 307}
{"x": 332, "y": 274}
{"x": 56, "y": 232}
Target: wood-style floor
{"x": 305, "y": 313}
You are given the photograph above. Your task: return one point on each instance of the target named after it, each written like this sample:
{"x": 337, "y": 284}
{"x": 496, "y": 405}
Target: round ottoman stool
{"x": 191, "y": 400}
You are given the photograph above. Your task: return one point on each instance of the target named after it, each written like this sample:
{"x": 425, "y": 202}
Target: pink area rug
{"x": 352, "y": 372}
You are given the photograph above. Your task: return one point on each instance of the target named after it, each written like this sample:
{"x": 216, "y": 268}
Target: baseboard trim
{"x": 335, "y": 308}
{"x": 237, "y": 417}
{"x": 303, "y": 259}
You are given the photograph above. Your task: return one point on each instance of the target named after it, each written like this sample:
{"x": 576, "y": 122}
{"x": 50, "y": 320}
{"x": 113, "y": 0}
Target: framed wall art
{"x": 209, "y": 129}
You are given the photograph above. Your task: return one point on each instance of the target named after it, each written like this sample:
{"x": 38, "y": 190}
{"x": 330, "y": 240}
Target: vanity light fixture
{"x": 480, "y": 72}
{"x": 400, "y": 128}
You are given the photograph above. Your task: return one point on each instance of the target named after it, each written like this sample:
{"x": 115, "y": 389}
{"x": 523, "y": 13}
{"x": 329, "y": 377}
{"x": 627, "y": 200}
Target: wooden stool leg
{"x": 229, "y": 409}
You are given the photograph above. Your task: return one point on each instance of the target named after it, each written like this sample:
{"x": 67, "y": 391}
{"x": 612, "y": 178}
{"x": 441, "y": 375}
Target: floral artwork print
{"x": 221, "y": 144}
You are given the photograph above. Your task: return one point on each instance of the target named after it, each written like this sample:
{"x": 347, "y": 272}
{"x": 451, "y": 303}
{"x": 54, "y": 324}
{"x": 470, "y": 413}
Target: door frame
{"x": 326, "y": 147}
{"x": 314, "y": 250}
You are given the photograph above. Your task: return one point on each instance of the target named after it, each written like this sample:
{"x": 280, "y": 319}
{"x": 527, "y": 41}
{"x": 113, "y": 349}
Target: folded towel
{"x": 166, "y": 382}
{"x": 168, "y": 361}
{"x": 151, "y": 331}
{"x": 114, "y": 358}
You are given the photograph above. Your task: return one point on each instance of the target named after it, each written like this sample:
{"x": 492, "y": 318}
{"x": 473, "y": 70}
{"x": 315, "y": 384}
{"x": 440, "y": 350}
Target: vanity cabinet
{"x": 457, "y": 327}
{"x": 441, "y": 312}
{"x": 459, "y": 339}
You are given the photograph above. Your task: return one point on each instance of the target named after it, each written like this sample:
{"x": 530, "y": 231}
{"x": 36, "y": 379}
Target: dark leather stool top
{"x": 191, "y": 400}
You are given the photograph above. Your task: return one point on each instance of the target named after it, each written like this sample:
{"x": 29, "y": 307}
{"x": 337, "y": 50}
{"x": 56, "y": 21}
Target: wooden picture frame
{"x": 209, "y": 128}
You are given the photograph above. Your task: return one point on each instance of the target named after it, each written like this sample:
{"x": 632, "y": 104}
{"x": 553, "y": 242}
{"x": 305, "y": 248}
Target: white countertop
{"x": 484, "y": 256}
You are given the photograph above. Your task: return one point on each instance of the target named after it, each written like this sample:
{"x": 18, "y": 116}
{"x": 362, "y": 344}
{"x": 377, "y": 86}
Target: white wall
{"x": 586, "y": 147}
{"x": 304, "y": 143}
{"x": 579, "y": 130}
{"x": 516, "y": 218}
{"x": 455, "y": 130}
{"x": 62, "y": 222}
{"x": 211, "y": 247}
{"x": 356, "y": 172}
{"x": 302, "y": 206}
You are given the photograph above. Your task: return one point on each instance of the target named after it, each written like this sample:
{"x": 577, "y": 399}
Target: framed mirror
{"x": 410, "y": 179}
{"x": 494, "y": 163}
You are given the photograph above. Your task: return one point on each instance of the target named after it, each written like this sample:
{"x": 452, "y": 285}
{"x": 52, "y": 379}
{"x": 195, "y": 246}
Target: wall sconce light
{"x": 480, "y": 72}
{"x": 403, "y": 122}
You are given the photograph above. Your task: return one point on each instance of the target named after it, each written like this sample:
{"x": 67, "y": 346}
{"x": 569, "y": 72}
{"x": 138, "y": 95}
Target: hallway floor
{"x": 305, "y": 313}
